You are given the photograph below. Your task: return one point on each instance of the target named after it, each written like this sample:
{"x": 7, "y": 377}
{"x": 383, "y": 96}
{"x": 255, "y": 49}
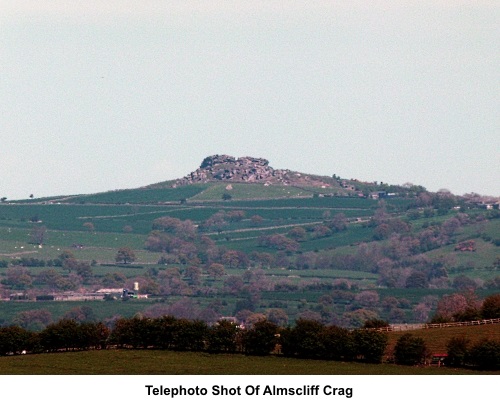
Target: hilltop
{"x": 217, "y": 168}
{"x": 254, "y": 178}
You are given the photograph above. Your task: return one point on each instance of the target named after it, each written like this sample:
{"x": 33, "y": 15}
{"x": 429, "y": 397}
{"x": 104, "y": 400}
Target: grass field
{"x": 154, "y": 362}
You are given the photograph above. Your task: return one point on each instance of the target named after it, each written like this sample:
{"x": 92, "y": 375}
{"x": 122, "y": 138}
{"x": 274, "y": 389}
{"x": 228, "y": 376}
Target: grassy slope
{"x": 249, "y": 191}
{"x": 436, "y": 339}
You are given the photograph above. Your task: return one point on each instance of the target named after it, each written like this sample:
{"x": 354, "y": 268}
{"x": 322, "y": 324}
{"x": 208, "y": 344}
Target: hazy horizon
{"x": 97, "y": 97}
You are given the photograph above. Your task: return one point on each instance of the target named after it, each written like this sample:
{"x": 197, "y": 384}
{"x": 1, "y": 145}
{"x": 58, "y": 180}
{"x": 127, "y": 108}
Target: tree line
{"x": 307, "y": 339}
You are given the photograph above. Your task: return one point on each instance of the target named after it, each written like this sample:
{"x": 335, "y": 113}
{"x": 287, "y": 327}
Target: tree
{"x": 222, "y": 337}
{"x": 297, "y": 233}
{"x": 231, "y": 258}
{"x": 216, "y": 270}
{"x": 166, "y": 224}
{"x": 410, "y": 350}
{"x": 490, "y": 309}
{"x": 261, "y": 339}
{"x": 34, "y": 319}
{"x": 375, "y": 323}
{"x": 186, "y": 230}
{"x": 216, "y": 222}
{"x": 463, "y": 282}
{"x": 233, "y": 284}
{"x": 89, "y": 226}
{"x": 367, "y": 299}
{"x": 84, "y": 270}
{"x": 193, "y": 274}
{"x": 14, "y": 339}
{"x": 486, "y": 354}
{"x": 67, "y": 260}
{"x": 235, "y": 215}
{"x": 18, "y": 277}
{"x": 338, "y": 223}
{"x": 125, "y": 255}
{"x": 321, "y": 231}
{"x": 38, "y": 235}
{"x": 370, "y": 344}
{"x": 304, "y": 340}
{"x": 417, "y": 279}
{"x": 338, "y": 343}
{"x": 82, "y": 313}
{"x": 421, "y": 312}
{"x": 449, "y": 305}
{"x": 277, "y": 316}
{"x": 61, "y": 335}
{"x": 457, "y": 349}
{"x": 256, "y": 220}
{"x": 127, "y": 229}
{"x": 279, "y": 242}
{"x": 114, "y": 279}
{"x": 92, "y": 335}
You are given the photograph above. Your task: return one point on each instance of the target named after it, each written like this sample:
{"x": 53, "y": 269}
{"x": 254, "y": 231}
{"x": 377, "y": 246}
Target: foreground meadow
{"x": 155, "y": 362}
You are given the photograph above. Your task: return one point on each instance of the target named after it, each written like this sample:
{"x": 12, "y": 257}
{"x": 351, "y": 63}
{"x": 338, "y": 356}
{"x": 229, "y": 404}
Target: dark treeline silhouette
{"x": 307, "y": 339}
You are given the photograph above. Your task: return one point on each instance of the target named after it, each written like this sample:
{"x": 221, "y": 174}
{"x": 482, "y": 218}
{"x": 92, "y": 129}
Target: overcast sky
{"x": 102, "y": 95}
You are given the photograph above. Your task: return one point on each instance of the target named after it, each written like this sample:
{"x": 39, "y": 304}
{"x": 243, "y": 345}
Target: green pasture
{"x": 249, "y": 191}
{"x": 101, "y": 309}
{"x": 248, "y": 240}
{"x": 157, "y": 362}
{"x": 61, "y": 216}
{"x": 305, "y": 202}
{"x": 16, "y": 241}
{"x": 414, "y": 295}
{"x": 484, "y": 256}
{"x": 141, "y": 195}
{"x": 322, "y": 273}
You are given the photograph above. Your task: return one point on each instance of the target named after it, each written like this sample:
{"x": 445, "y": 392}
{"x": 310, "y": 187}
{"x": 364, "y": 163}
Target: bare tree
{"x": 38, "y": 235}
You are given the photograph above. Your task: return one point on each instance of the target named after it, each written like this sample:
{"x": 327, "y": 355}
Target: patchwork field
{"x": 321, "y": 271}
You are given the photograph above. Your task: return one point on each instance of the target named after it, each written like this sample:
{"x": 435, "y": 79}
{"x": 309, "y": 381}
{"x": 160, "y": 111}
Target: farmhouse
{"x": 19, "y": 297}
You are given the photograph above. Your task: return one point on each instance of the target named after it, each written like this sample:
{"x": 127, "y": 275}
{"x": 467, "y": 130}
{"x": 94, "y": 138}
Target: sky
{"x": 97, "y": 96}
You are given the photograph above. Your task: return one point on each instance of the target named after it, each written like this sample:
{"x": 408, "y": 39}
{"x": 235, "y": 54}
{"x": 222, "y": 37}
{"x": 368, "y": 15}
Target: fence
{"x": 405, "y": 327}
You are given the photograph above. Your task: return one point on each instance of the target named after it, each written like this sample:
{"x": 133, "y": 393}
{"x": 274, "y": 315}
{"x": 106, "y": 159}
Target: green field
{"x": 124, "y": 218}
{"x": 154, "y": 362}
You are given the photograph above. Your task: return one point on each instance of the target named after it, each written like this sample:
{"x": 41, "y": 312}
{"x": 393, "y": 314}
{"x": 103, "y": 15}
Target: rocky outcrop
{"x": 242, "y": 170}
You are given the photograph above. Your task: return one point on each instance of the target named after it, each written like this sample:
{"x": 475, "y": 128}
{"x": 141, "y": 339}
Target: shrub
{"x": 370, "y": 345}
{"x": 485, "y": 355}
{"x": 14, "y": 339}
{"x": 304, "y": 340}
{"x": 491, "y": 307}
{"x": 338, "y": 344}
{"x": 410, "y": 350}
{"x": 261, "y": 338}
{"x": 223, "y": 337}
{"x": 458, "y": 351}
{"x": 375, "y": 323}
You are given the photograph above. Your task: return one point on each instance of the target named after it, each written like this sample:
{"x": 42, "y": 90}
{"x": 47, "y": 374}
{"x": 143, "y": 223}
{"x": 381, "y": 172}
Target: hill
{"x": 342, "y": 251}
{"x": 243, "y": 178}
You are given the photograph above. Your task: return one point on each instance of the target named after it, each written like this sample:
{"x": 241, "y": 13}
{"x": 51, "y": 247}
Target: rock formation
{"x": 244, "y": 170}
